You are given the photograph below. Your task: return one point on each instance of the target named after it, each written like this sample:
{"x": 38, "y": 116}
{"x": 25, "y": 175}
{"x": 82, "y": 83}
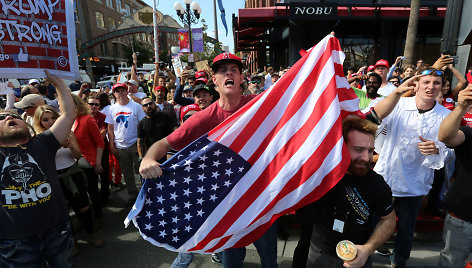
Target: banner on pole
{"x": 184, "y": 41}
{"x": 197, "y": 38}
{"x": 35, "y": 36}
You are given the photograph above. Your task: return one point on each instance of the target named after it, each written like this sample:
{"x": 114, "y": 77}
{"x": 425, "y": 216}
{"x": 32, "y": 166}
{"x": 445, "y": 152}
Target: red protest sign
{"x": 37, "y": 35}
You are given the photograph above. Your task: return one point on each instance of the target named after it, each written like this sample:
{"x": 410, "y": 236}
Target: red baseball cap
{"x": 200, "y": 74}
{"x": 381, "y": 63}
{"x": 201, "y": 80}
{"x": 117, "y": 85}
{"x": 370, "y": 68}
{"x": 161, "y": 88}
{"x": 226, "y": 57}
{"x": 186, "y": 109}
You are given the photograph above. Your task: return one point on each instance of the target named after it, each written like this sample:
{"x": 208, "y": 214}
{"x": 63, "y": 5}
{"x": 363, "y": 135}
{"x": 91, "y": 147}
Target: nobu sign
{"x": 312, "y": 11}
{"x": 37, "y": 35}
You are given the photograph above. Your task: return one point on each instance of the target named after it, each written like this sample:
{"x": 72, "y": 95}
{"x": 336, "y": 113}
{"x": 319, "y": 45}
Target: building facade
{"x": 272, "y": 32}
{"x": 95, "y": 18}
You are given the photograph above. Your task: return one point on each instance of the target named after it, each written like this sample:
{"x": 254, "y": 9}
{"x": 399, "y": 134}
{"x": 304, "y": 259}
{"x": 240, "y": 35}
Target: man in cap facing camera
{"x": 227, "y": 78}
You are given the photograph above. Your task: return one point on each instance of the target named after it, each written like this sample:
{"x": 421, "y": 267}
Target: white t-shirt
{"x": 125, "y": 119}
{"x": 140, "y": 95}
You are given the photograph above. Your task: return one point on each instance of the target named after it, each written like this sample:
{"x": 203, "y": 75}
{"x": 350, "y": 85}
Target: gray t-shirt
{"x": 31, "y": 197}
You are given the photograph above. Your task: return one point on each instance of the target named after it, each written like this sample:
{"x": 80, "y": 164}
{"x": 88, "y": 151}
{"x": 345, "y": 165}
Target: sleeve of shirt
{"x": 468, "y": 139}
{"x": 186, "y": 133}
{"x": 179, "y": 99}
{"x": 94, "y": 132}
{"x": 109, "y": 117}
{"x": 141, "y": 113}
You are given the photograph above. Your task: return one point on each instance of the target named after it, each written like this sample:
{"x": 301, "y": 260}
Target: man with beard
{"x": 34, "y": 217}
{"x": 381, "y": 68}
{"x": 349, "y": 210}
{"x": 372, "y": 85}
{"x": 155, "y": 126}
{"x": 161, "y": 104}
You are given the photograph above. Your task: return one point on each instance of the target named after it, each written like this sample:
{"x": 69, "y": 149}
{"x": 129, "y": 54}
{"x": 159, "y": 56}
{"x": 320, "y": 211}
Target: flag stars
{"x": 200, "y": 201}
{"x": 162, "y": 233}
{"x": 175, "y": 166}
{"x": 160, "y": 199}
{"x": 228, "y": 172}
{"x": 216, "y": 163}
{"x": 240, "y": 169}
{"x": 214, "y": 187}
{"x": 148, "y": 226}
{"x": 201, "y": 189}
{"x": 159, "y": 186}
{"x": 229, "y": 160}
{"x": 202, "y": 166}
{"x": 191, "y": 153}
{"x": 217, "y": 153}
{"x": 215, "y": 174}
{"x": 204, "y": 148}
{"x": 162, "y": 223}
{"x": 149, "y": 214}
{"x": 201, "y": 177}
{"x": 213, "y": 197}
{"x": 161, "y": 212}
{"x": 175, "y": 219}
{"x": 188, "y": 228}
{"x": 188, "y": 168}
{"x": 179, "y": 156}
{"x": 188, "y": 216}
{"x": 187, "y": 192}
{"x": 174, "y": 231}
{"x": 172, "y": 183}
{"x": 188, "y": 162}
{"x": 227, "y": 183}
{"x": 200, "y": 213}
{"x": 203, "y": 158}
{"x": 173, "y": 196}
{"x": 148, "y": 201}
{"x": 187, "y": 204}
{"x": 187, "y": 180}
{"x": 175, "y": 239}
{"x": 174, "y": 208}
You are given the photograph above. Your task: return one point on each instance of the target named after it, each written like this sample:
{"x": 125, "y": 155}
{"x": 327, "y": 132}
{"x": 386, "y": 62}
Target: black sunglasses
{"x": 436, "y": 72}
{"x": 3, "y": 116}
{"x": 94, "y": 104}
{"x": 186, "y": 117}
{"x": 147, "y": 104}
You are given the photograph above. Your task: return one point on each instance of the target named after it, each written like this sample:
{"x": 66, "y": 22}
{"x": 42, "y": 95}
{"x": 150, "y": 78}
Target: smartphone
{"x": 455, "y": 59}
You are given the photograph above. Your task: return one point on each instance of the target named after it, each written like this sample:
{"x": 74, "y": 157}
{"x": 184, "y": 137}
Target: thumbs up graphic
{"x": 22, "y": 57}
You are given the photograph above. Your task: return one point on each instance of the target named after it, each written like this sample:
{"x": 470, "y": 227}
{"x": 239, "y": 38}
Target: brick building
{"x": 95, "y": 18}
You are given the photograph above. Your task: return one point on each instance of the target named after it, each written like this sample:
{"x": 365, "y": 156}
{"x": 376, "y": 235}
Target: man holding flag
{"x": 227, "y": 79}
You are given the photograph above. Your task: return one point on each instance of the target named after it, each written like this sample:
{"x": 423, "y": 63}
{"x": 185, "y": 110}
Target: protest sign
{"x": 38, "y": 35}
{"x": 177, "y": 64}
{"x": 202, "y": 65}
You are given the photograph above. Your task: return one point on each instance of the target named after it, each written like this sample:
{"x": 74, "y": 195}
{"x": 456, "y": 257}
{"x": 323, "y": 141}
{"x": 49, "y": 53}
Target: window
{"x": 100, "y": 20}
{"x": 99, "y": 1}
{"x": 118, "y": 5}
{"x": 110, "y": 3}
{"x": 111, "y": 23}
{"x": 128, "y": 10}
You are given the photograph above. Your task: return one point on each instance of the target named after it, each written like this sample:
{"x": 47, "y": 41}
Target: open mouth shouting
{"x": 229, "y": 82}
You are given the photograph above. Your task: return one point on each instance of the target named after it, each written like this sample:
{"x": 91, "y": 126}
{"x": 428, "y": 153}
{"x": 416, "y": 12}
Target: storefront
{"x": 367, "y": 32}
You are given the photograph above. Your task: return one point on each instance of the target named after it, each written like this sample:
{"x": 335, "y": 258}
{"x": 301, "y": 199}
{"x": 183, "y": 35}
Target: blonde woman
{"x": 71, "y": 176}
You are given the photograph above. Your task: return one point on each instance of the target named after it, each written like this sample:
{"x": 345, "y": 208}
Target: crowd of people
{"x": 61, "y": 150}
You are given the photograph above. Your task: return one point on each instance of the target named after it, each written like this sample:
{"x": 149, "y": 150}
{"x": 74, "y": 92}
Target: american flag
{"x": 281, "y": 151}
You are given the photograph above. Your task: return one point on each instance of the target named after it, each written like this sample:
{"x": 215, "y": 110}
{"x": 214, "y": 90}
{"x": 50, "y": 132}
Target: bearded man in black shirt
{"x": 349, "y": 211}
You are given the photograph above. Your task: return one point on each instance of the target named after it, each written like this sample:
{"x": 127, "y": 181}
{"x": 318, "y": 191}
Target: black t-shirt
{"x": 31, "y": 196}
{"x": 155, "y": 128}
{"x": 352, "y": 204}
{"x": 458, "y": 199}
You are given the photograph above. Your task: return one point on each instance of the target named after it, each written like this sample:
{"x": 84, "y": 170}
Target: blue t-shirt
{"x": 30, "y": 193}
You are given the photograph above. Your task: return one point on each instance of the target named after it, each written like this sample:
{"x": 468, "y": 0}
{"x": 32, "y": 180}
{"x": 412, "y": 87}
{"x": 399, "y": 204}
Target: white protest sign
{"x": 4, "y": 89}
{"x": 177, "y": 64}
{"x": 37, "y": 35}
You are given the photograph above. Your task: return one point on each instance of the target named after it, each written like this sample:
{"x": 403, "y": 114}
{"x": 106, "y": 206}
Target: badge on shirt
{"x": 338, "y": 226}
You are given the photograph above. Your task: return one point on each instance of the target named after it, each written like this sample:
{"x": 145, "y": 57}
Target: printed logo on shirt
{"x": 122, "y": 117}
{"x": 22, "y": 182}
{"x": 357, "y": 203}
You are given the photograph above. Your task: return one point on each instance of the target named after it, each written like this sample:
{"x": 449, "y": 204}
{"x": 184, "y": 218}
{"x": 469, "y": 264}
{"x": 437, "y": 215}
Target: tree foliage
{"x": 146, "y": 55}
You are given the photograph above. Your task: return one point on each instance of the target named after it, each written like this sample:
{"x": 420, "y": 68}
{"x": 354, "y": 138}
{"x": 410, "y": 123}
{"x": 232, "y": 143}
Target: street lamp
{"x": 188, "y": 15}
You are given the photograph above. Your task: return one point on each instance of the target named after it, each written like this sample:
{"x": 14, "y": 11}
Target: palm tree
{"x": 409, "y": 52}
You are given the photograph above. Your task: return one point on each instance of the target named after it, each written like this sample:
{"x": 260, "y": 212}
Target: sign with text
{"x": 312, "y": 11}
{"x": 202, "y": 65}
{"x": 177, "y": 64}
{"x": 38, "y": 35}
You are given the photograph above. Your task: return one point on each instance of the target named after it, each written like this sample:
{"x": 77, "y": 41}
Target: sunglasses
{"x": 147, "y": 104}
{"x": 434, "y": 72}
{"x": 394, "y": 82}
{"x": 94, "y": 104}
{"x": 3, "y": 116}
{"x": 186, "y": 117}
{"x": 255, "y": 82}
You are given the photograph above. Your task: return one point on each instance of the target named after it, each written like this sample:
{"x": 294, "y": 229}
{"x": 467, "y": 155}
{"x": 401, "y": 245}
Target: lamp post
{"x": 190, "y": 14}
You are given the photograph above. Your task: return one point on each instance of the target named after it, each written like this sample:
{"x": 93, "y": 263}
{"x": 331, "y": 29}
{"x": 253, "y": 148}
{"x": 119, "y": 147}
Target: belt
{"x": 457, "y": 217}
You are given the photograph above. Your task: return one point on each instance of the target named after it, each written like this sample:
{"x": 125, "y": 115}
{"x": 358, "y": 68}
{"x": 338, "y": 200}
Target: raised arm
{"x": 134, "y": 75}
{"x": 449, "y": 132}
{"x": 149, "y": 167}
{"x": 461, "y": 82}
{"x": 386, "y": 106}
{"x": 62, "y": 126}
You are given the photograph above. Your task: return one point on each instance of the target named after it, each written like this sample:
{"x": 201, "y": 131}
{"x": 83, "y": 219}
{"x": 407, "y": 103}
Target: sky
{"x": 231, "y": 6}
